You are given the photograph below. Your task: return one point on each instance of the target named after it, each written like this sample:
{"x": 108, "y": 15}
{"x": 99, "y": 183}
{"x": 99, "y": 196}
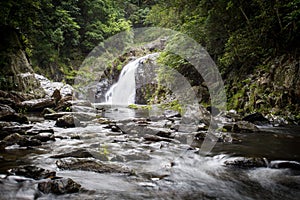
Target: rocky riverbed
{"x": 57, "y": 147}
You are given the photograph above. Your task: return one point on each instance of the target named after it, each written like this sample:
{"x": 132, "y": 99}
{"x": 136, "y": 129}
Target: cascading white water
{"x": 123, "y": 92}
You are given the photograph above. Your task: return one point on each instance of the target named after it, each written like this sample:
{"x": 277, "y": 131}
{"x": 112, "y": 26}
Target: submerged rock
{"x": 34, "y": 172}
{"x": 90, "y": 165}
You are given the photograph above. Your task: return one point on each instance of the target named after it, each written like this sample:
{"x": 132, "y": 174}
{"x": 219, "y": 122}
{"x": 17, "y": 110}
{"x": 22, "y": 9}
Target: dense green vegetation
{"x": 243, "y": 37}
{"x": 249, "y": 40}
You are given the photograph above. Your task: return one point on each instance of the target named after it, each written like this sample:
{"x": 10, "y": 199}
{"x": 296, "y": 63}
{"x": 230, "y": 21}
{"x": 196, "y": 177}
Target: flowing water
{"x": 123, "y": 92}
{"x": 162, "y": 170}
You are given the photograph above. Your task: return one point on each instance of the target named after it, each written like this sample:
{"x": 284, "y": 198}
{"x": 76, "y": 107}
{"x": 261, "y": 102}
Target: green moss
{"x": 144, "y": 107}
{"x": 172, "y": 105}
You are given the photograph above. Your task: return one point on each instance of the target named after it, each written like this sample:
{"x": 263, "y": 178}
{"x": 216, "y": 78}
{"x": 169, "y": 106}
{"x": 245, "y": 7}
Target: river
{"x": 170, "y": 169}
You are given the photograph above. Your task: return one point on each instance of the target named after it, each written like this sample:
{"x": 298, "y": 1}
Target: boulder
{"x": 38, "y": 130}
{"x": 34, "y": 172}
{"x": 49, "y": 87}
{"x": 256, "y": 118}
{"x": 67, "y": 121}
{"x": 244, "y": 162}
{"x": 86, "y": 164}
{"x": 9, "y": 114}
{"x": 20, "y": 140}
{"x": 56, "y": 95}
{"x": 2, "y": 145}
{"x": 80, "y": 153}
{"x": 241, "y": 126}
{"x": 37, "y": 104}
{"x": 5, "y": 131}
{"x": 43, "y": 137}
{"x": 59, "y": 186}
{"x": 14, "y": 139}
{"x": 82, "y": 116}
{"x": 7, "y": 101}
{"x": 285, "y": 164}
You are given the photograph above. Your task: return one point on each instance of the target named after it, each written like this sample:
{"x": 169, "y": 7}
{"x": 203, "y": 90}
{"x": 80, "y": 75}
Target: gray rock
{"x": 80, "y": 153}
{"x": 154, "y": 138}
{"x": 34, "y": 172}
{"x": 60, "y": 186}
{"x": 67, "y": 121}
{"x": 241, "y": 126}
{"x": 2, "y": 145}
{"x": 49, "y": 87}
{"x": 20, "y": 140}
{"x": 90, "y": 165}
{"x": 285, "y": 164}
{"x": 43, "y": 137}
{"x": 36, "y": 131}
{"x": 56, "y": 95}
{"x": 5, "y": 131}
{"x": 82, "y": 116}
{"x": 9, "y": 114}
{"x": 256, "y": 118}
{"x": 37, "y": 104}
{"x": 251, "y": 162}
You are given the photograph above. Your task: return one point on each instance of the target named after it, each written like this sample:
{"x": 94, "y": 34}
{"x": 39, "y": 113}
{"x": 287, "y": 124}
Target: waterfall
{"x": 123, "y": 92}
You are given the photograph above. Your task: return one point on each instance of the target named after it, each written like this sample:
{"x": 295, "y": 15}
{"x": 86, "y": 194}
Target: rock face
{"x": 50, "y": 87}
{"x": 146, "y": 80}
{"x": 14, "y": 59}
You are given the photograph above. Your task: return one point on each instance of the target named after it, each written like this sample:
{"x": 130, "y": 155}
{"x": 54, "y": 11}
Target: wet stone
{"x": 80, "y": 153}
{"x": 37, "y": 104}
{"x": 247, "y": 162}
{"x": 20, "y": 140}
{"x": 59, "y": 186}
{"x": 154, "y": 138}
{"x": 67, "y": 121}
{"x": 89, "y": 165}
{"x": 34, "y": 172}
{"x": 15, "y": 129}
{"x": 256, "y": 118}
{"x": 44, "y": 137}
{"x": 285, "y": 164}
{"x": 9, "y": 114}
